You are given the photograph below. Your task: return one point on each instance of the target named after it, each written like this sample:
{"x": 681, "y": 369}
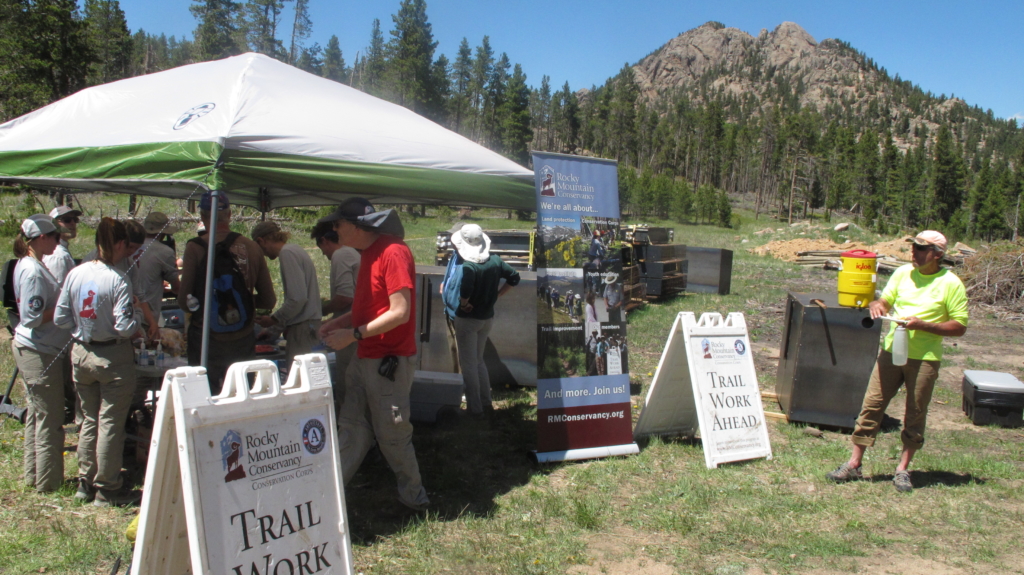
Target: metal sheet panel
{"x": 511, "y": 355}
{"x": 709, "y": 270}
{"x": 810, "y": 388}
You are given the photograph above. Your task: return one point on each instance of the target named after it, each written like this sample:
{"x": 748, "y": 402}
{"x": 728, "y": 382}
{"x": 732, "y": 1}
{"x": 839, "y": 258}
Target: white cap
{"x": 37, "y": 225}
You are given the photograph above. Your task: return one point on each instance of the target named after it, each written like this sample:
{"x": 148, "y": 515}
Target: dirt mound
{"x": 788, "y": 249}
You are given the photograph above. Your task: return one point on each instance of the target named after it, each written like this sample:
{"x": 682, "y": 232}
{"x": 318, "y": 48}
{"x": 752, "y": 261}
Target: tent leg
{"x": 210, "y": 255}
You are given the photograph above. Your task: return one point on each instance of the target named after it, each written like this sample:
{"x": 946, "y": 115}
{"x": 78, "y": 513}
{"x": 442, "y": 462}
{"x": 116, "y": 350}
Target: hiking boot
{"x": 118, "y": 498}
{"x": 902, "y": 482}
{"x": 844, "y": 473}
{"x": 417, "y": 507}
{"x": 86, "y": 492}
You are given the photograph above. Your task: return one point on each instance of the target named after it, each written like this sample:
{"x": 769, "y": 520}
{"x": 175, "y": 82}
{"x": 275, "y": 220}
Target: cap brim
{"x": 332, "y": 218}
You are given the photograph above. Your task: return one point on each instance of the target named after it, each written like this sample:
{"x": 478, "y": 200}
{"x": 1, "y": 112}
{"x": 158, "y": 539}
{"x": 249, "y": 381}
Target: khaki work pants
{"x": 105, "y": 379}
{"x": 342, "y": 359}
{"x": 919, "y": 376}
{"x": 472, "y": 337}
{"x": 44, "y": 424}
{"x": 376, "y": 407}
{"x": 302, "y": 338}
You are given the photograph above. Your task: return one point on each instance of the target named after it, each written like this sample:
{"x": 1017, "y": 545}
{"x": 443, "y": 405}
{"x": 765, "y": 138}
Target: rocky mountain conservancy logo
{"x": 547, "y": 181}
{"x": 231, "y": 454}
{"x": 193, "y": 114}
{"x": 705, "y": 346}
{"x": 314, "y": 436}
{"x": 741, "y": 347}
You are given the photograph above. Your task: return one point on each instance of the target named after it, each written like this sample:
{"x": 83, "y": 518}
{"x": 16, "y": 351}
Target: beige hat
{"x": 472, "y": 244}
{"x": 930, "y": 238}
{"x": 157, "y": 223}
{"x": 611, "y": 277}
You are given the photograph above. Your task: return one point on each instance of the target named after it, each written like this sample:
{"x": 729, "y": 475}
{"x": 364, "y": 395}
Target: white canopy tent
{"x": 264, "y": 132}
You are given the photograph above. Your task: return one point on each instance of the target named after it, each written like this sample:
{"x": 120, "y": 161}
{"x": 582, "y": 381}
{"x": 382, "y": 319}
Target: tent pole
{"x": 208, "y": 295}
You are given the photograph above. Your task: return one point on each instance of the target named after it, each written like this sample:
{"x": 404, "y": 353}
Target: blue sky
{"x": 973, "y": 50}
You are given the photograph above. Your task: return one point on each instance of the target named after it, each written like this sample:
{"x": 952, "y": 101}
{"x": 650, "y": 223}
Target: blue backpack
{"x": 232, "y": 305}
{"x": 452, "y": 285}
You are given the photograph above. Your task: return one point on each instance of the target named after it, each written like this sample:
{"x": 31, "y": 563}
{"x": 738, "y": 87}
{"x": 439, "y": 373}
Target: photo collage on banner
{"x": 582, "y": 358}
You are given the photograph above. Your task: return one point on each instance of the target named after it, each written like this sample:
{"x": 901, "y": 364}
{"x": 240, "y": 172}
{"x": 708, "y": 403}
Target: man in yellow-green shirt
{"x": 933, "y": 302}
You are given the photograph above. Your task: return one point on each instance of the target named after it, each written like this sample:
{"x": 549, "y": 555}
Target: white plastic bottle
{"x": 193, "y": 303}
{"x": 159, "y": 354}
{"x": 900, "y": 346}
{"x": 143, "y": 355}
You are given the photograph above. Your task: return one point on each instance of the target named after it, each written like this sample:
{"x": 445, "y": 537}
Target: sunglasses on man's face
{"x": 920, "y": 248}
{"x": 72, "y": 220}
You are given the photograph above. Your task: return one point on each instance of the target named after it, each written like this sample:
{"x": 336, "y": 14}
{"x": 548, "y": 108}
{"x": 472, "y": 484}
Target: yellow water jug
{"x": 857, "y": 279}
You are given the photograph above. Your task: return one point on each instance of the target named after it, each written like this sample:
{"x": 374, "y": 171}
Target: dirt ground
{"x": 788, "y": 249}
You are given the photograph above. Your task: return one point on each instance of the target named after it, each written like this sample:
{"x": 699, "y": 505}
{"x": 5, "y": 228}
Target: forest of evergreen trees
{"x": 687, "y": 155}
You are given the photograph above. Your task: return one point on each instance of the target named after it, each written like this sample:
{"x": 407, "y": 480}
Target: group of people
{"x": 599, "y": 348}
{"x": 94, "y": 309}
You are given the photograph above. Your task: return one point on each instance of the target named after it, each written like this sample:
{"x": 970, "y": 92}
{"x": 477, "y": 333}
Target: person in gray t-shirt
{"x": 60, "y": 261}
{"x": 38, "y": 349}
{"x": 96, "y": 305}
{"x": 157, "y": 263}
{"x": 344, "y": 271}
{"x": 299, "y": 315}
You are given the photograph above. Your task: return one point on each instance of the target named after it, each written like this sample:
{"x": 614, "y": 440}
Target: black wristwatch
{"x": 356, "y": 334}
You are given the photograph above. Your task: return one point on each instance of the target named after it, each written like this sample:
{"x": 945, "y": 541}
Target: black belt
{"x": 101, "y": 343}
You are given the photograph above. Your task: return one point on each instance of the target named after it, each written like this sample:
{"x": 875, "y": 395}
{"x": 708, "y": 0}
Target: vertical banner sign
{"x": 583, "y": 408}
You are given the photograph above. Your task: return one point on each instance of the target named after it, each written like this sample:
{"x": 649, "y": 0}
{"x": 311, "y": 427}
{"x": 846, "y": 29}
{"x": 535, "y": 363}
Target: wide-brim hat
{"x": 611, "y": 277}
{"x": 158, "y": 223}
{"x": 472, "y": 244}
{"x": 361, "y": 212}
{"x": 930, "y": 238}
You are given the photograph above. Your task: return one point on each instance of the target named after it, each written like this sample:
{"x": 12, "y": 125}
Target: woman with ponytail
{"x": 96, "y": 304}
{"x": 39, "y": 348}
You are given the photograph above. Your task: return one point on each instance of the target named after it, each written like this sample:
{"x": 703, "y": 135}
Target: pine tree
{"x": 462, "y": 76}
{"x": 260, "y": 19}
{"x": 110, "y": 40}
{"x": 947, "y": 176}
{"x": 483, "y": 62}
{"x": 44, "y": 54}
{"x": 516, "y": 133}
{"x": 302, "y": 28}
{"x": 371, "y": 68}
{"x": 311, "y": 60}
{"x": 216, "y": 34}
{"x": 334, "y": 63}
{"x": 411, "y": 56}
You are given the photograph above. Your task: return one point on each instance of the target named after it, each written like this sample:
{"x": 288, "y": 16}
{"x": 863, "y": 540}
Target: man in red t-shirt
{"x": 383, "y": 322}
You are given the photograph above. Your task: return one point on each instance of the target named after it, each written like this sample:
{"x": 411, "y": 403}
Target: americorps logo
{"x": 314, "y": 436}
{"x": 193, "y": 114}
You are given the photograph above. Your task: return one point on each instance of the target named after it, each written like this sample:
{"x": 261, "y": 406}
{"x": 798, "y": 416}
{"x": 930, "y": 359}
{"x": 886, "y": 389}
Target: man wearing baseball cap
{"x": 60, "y": 261}
{"x": 383, "y": 325}
{"x": 933, "y": 302}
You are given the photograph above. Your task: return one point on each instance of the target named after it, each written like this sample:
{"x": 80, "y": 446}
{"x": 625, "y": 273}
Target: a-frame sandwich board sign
{"x": 706, "y": 379}
{"x": 248, "y": 481}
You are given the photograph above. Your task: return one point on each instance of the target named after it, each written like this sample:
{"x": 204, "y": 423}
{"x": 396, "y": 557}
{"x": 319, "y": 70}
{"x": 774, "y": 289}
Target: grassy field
{"x": 659, "y": 512}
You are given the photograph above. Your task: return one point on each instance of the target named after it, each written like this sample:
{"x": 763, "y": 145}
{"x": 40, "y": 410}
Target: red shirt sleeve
{"x": 398, "y": 268}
